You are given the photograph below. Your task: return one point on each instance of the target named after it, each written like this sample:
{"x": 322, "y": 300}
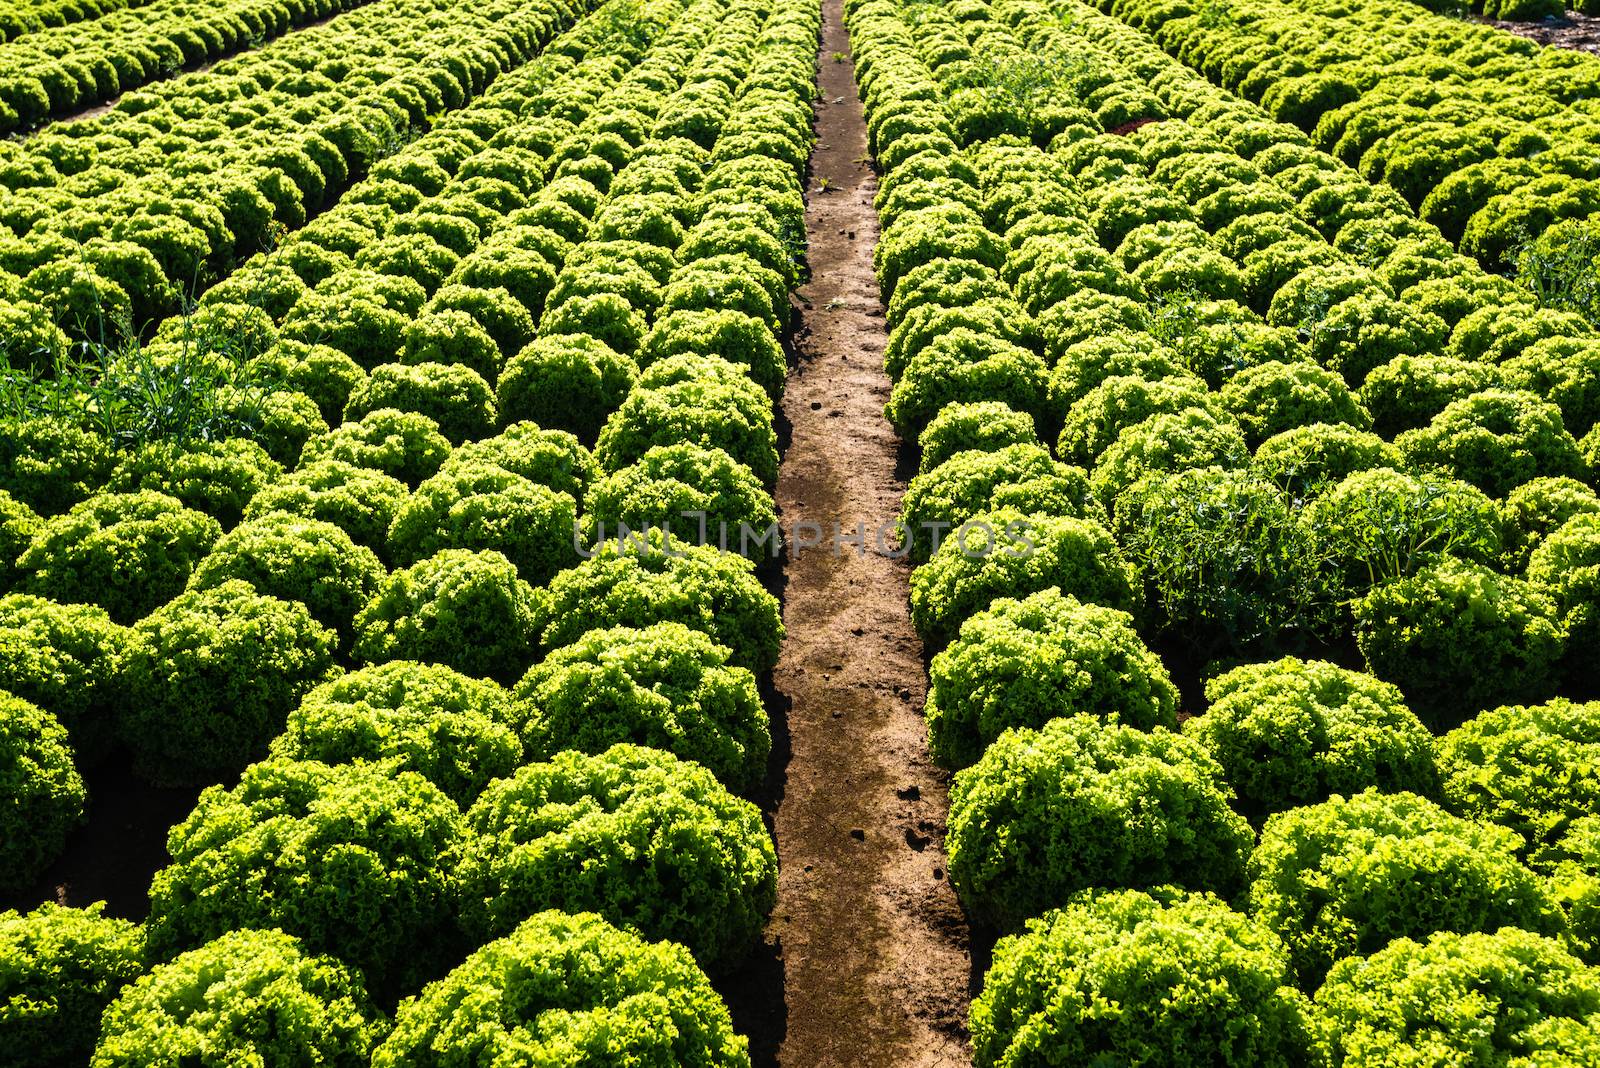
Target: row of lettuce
{"x": 475, "y": 753}
{"x": 111, "y": 225}
{"x": 1486, "y": 135}
{"x": 56, "y": 71}
{"x": 19, "y": 17}
{"x": 1180, "y": 380}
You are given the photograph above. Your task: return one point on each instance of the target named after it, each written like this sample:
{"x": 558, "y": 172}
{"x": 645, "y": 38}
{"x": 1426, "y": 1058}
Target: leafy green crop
{"x": 467, "y": 610}
{"x": 59, "y": 969}
{"x": 567, "y": 990}
{"x": 127, "y": 552}
{"x": 360, "y": 501}
{"x": 1008, "y": 554}
{"x": 358, "y": 861}
{"x": 1295, "y": 732}
{"x": 655, "y": 579}
{"x": 1157, "y": 978}
{"x": 44, "y": 795}
{"x": 1345, "y": 877}
{"x": 294, "y": 559}
{"x": 67, "y": 659}
{"x": 648, "y": 841}
{"x": 1503, "y": 998}
{"x": 1022, "y": 663}
{"x": 1457, "y": 638}
{"x": 1533, "y": 770}
{"x": 663, "y": 686}
{"x": 249, "y": 997}
{"x": 457, "y": 732}
{"x": 1081, "y": 803}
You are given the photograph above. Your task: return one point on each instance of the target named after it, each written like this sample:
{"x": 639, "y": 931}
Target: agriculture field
{"x": 800, "y": 532}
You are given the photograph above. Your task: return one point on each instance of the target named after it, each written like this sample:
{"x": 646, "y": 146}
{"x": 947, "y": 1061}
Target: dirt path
{"x": 872, "y": 941}
{"x": 1575, "y": 31}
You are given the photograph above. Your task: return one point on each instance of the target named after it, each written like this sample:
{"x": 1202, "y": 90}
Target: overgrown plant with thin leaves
{"x": 132, "y": 396}
{"x": 1560, "y": 269}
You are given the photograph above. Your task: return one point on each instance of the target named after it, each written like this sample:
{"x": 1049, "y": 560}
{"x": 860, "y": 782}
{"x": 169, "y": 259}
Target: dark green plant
{"x": 1560, "y": 268}
{"x": 1379, "y": 525}
{"x": 44, "y": 795}
{"x": 193, "y": 390}
{"x": 1225, "y": 559}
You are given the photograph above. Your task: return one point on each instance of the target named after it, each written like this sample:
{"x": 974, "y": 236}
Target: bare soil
{"x": 872, "y": 945}
{"x": 117, "y": 851}
{"x": 1575, "y": 31}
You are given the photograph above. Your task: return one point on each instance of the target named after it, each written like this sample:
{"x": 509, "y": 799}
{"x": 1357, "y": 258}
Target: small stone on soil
{"x": 910, "y": 793}
{"x": 858, "y": 834}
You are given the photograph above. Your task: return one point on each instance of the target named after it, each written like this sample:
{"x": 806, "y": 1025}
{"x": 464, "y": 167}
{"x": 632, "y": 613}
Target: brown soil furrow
{"x": 873, "y": 943}
{"x": 1573, "y": 30}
